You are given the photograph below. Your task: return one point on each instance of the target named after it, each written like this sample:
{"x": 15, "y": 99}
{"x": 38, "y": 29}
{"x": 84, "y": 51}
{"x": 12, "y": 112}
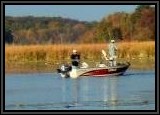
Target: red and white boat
{"x": 74, "y": 72}
{"x": 104, "y": 71}
{"x": 101, "y": 70}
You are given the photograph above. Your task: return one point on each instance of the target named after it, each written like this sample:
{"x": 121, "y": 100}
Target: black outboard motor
{"x": 64, "y": 70}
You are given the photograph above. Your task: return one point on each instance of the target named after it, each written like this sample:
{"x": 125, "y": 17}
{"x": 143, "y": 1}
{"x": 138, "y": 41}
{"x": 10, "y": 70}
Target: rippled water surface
{"x": 48, "y": 91}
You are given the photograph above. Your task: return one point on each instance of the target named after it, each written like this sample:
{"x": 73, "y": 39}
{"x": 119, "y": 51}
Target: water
{"x": 47, "y": 91}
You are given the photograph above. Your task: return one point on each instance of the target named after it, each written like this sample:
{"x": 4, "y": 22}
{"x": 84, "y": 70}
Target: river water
{"x": 135, "y": 90}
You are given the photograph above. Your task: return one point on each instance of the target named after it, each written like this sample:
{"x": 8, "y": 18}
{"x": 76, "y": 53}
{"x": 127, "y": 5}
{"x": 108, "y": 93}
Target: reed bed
{"x": 61, "y": 52}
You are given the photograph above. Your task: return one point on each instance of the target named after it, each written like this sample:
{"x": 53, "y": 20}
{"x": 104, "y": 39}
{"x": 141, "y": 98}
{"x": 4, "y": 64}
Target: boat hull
{"x": 109, "y": 71}
{"x": 97, "y": 72}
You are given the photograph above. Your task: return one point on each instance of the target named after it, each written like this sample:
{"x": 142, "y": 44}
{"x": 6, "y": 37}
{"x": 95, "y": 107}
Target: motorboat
{"x": 101, "y": 70}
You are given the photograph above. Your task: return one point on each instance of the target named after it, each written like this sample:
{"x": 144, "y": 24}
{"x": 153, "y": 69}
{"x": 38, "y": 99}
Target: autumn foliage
{"x": 138, "y": 25}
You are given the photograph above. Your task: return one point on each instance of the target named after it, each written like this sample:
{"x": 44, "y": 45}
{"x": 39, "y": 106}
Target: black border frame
{"x": 154, "y": 2}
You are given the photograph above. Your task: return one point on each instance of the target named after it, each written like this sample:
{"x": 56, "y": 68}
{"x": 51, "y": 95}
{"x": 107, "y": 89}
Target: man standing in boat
{"x": 112, "y": 53}
{"x": 75, "y": 58}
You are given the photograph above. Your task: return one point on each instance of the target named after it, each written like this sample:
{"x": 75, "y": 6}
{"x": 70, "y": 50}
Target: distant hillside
{"x": 37, "y": 30}
{"x": 139, "y": 25}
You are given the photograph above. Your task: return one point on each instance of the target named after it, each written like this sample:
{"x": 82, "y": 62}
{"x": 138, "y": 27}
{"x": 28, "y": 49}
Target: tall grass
{"x": 92, "y": 52}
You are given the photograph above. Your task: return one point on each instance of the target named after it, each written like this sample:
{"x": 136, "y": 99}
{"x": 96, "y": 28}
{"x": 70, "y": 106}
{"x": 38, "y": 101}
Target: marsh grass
{"x": 52, "y": 53}
{"x": 55, "y": 54}
{"x": 35, "y": 56}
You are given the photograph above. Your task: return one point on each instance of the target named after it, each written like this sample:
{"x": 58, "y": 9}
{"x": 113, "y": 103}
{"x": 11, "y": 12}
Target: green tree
{"x": 8, "y": 36}
{"x": 103, "y": 31}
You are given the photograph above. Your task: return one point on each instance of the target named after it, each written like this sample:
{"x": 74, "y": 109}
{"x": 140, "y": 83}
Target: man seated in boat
{"x": 112, "y": 53}
{"x": 75, "y": 58}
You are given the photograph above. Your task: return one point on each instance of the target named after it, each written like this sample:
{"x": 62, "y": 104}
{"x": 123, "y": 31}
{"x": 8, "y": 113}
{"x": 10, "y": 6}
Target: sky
{"x": 77, "y": 12}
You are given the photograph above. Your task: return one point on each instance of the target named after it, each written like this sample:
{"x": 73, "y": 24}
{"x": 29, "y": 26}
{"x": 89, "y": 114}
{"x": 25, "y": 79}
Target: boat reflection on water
{"x": 70, "y": 92}
{"x": 89, "y": 91}
{"x": 111, "y": 92}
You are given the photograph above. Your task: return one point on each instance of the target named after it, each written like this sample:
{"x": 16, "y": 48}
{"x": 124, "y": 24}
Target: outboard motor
{"x": 64, "y": 70}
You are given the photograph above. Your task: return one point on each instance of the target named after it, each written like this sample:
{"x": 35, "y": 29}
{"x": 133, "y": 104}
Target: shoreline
{"x": 41, "y": 67}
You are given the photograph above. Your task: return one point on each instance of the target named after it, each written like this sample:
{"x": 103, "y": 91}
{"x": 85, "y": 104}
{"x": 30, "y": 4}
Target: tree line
{"x": 138, "y": 25}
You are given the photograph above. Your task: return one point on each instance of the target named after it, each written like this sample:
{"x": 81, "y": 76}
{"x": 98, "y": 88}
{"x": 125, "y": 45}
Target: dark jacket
{"x": 75, "y": 58}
